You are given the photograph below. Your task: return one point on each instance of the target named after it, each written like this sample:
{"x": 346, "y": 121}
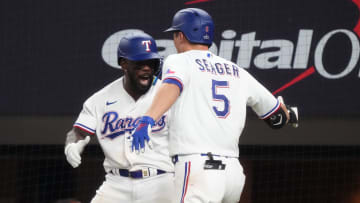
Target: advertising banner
{"x": 56, "y": 55}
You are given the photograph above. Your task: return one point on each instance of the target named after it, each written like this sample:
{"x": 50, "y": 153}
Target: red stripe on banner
{"x": 311, "y": 70}
{"x": 357, "y": 27}
{"x": 300, "y": 77}
{"x": 196, "y": 1}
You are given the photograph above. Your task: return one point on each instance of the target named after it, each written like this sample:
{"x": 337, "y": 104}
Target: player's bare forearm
{"x": 74, "y": 135}
{"x": 163, "y": 100}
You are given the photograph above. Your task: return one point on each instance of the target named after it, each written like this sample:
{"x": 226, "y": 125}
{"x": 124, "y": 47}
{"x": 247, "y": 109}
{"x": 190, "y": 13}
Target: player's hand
{"x": 73, "y": 151}
{"x": 293, "y": 113}
{"x": 141, "y": 134}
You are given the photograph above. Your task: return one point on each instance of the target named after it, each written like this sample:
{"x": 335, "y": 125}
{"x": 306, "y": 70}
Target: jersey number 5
{"x": 220, "y": 97}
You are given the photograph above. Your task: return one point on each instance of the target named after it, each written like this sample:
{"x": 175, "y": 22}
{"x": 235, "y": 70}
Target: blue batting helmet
{"x": 196, "y": 24}
{"x": 138, "y": 47}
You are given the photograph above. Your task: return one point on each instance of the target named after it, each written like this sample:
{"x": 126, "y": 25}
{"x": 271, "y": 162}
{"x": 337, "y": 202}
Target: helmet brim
{"x": 143, "y": 57}
{"x": 171, "y": 29}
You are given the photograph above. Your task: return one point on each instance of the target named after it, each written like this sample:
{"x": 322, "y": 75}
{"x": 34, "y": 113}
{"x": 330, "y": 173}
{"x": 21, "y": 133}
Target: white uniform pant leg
{"x": 114, "y": 189}
{"x": 155, "y": 189}
{"x": 194, "y": 184}
{"x": 235, "y": 181}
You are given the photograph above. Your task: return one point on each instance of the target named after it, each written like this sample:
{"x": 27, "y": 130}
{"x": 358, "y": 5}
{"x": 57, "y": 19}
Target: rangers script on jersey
{"x": 112, "y": 115}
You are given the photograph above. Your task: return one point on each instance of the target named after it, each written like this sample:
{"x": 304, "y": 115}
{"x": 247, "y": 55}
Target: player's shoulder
{"x": 174, "y": 57}
{"x": 175, "y": 62}
{"x": 243, "y": 73}
{"x": 104, "y": 92}
{"x": 181, "y": 60}
{"x": 222, "y": 60}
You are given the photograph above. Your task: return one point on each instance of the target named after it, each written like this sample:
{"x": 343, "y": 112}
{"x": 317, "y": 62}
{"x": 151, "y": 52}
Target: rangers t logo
{"x": 147, "y": 44}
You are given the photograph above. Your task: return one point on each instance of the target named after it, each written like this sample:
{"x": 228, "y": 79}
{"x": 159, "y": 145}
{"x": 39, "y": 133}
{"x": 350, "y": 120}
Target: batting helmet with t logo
{"x": 196, "y": 24}
{"x": 138, "y": 47}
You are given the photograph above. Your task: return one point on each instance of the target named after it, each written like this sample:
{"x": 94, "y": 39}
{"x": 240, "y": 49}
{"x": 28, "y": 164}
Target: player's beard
{"x": 138, "y": 86}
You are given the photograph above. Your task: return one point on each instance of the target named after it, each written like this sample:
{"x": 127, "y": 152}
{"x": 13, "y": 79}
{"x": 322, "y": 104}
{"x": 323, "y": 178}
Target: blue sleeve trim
{"x": 175, "y": 81}
{"x": 84, "y": 128}
{"x": 273, "y": 110}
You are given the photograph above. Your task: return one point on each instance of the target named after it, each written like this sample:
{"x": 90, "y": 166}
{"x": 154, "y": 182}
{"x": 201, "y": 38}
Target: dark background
{"x": 51, "y": 52}
{"x": 51, "y": 62}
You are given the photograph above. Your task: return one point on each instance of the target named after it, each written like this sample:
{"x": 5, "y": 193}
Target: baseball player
{"x": 209, "y": 96}
{"x": 111, "y": 114}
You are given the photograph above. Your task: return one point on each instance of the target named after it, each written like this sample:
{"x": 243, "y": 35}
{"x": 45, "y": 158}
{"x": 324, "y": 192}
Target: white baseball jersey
{"x": 209, "y": 114}
{"x": 112, "y": 114}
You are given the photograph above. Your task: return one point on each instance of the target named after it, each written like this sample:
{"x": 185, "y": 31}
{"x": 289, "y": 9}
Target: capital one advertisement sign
{"x": 289, "y": 55}
{"x": 314, "y": 67}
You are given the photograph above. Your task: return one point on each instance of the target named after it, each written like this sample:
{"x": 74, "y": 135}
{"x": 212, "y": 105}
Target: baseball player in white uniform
{"x": 209, "y": 96}
{"x": 111, "y": 114}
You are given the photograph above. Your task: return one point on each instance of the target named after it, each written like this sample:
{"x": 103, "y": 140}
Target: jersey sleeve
{"x": 262, "y": 102}
{"x": 86, "y": 120}
{"x": 176, "y": 71}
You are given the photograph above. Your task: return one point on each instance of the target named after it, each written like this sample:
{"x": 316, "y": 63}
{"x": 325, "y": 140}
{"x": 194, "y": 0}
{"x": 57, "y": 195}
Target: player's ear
{"x": 123, "y": 63}
{"x": 181, "y": 35}
{"x": 178, "y": 34}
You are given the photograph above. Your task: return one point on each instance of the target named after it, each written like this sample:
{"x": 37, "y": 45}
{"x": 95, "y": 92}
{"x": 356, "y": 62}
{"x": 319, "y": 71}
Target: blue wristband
{"x": 147, "y": 119}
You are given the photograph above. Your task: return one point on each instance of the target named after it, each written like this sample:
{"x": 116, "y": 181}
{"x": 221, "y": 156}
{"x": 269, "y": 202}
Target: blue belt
{"x": 175, "y": 159}
{"x": 137, "y": 174}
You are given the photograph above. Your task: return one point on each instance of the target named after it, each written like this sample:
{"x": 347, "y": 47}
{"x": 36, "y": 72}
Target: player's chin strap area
{"x": 143, "y": 173}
